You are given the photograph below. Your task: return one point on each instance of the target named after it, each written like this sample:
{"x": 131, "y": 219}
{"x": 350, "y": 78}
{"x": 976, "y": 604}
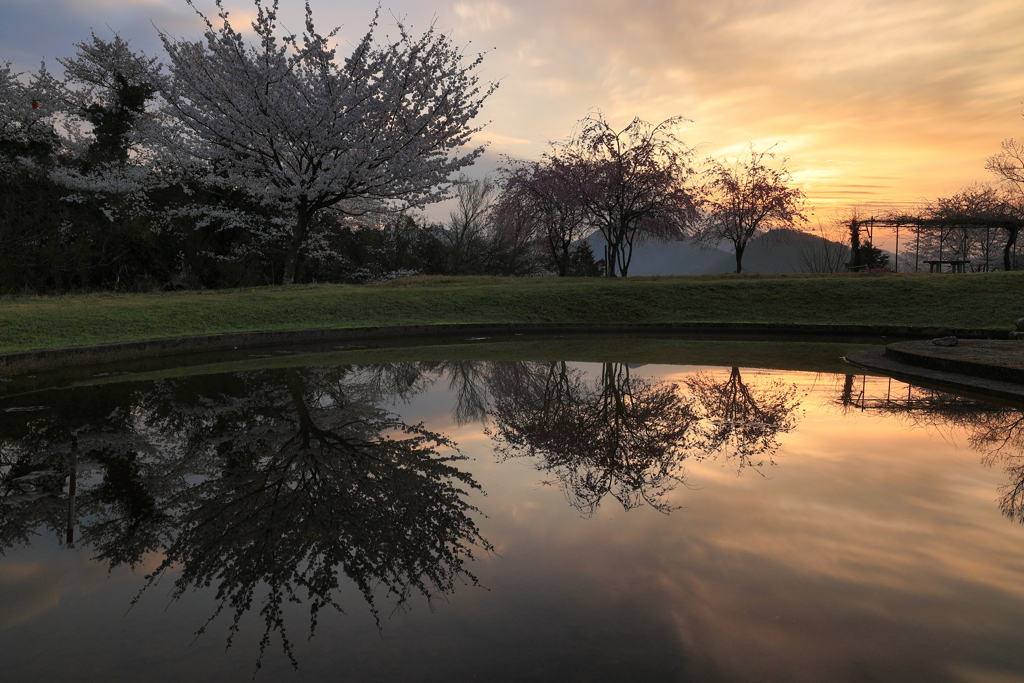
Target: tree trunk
{"x": 847, "y": 397}
{"x": 1008, "y": 249}
{"x": 625, "y": 256}
{"x": 298, "y": 236}
{"x": 562, "y": 254}
{"x": 306, "y": 426}
{"x": 856, "y": 256}
{"x": 739, "y": 257}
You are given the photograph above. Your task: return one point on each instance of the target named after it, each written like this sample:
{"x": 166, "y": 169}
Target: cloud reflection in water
{"x": 874, "y": 547}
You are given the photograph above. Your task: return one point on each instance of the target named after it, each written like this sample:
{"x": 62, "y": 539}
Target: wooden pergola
{"x": 1014, "y": 226}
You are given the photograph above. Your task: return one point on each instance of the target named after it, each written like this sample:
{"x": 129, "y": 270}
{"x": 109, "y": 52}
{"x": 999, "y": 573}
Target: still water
{"x": 510, "y": 521}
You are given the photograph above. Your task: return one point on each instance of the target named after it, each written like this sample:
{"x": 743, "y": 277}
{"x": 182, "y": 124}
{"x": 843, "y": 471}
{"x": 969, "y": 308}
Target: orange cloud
{"x": 920, "y": 92}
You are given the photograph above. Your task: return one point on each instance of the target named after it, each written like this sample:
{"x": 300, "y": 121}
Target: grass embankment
{"x": 985, "y": 300}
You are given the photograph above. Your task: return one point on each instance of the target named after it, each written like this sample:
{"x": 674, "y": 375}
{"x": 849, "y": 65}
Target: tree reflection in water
{"x": 741, "y": 421}
{"x": 1000, "y": 435}
{"x": 273, "y": 486}
{"x": 617, "y": 435}
{"x": 272, "y": 483}
{"x": 996, "y": 431}
{"x": 80, "y": 431}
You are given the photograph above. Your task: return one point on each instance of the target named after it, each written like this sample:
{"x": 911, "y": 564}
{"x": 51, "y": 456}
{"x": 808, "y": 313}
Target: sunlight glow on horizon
{"x": 874, "y": 104}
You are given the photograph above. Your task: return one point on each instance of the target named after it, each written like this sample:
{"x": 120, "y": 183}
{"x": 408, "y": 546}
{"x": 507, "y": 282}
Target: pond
{"x": 647, "y": 511}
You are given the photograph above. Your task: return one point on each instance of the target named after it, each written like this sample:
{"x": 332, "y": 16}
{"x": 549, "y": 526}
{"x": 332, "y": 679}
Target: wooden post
{"x": 896, "y": 268}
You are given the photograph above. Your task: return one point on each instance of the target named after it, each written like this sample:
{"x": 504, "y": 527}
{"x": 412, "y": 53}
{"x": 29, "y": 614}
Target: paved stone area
{"x": 988, "y": 351}
{"x": 999, "y": 360}
{"x": 992, "y": 359}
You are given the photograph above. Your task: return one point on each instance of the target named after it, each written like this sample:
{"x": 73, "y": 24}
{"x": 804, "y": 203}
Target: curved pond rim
{"x": 23, "y": 362}
{"x": 875, "y": 359}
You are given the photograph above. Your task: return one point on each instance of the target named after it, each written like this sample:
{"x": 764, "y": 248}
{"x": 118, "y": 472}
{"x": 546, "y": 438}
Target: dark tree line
{"x": 229, "y": 163}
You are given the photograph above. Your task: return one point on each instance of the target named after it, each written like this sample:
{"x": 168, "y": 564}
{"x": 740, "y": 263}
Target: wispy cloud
{"x": 921, "y": 91}
{"x": 482, "y": 16}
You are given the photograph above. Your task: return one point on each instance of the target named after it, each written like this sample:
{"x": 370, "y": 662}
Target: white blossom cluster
{"x": 288, "y": 123}
{"x": 31, "y": 108}
{"x": 263, "y": 135}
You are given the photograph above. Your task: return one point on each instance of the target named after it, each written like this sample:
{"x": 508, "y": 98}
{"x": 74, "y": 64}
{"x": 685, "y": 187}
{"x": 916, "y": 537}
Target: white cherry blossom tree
{"x": 285, "y": 121}
{"x": 32, "y": 109}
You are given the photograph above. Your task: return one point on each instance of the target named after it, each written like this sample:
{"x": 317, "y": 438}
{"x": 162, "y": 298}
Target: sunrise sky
{"x": 875, "y": 102}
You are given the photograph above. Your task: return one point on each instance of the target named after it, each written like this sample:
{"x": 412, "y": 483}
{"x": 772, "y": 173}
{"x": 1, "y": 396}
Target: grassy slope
{"x": 989, "y": 300}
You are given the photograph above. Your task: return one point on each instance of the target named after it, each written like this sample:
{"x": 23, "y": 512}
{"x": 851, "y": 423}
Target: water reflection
{"x": 286, "y": 485}
{"x": 996, "y": 431}
{"x": 616, "y": 435}
{"x": 743, "y": 421}
{"x": 286, "y": 480}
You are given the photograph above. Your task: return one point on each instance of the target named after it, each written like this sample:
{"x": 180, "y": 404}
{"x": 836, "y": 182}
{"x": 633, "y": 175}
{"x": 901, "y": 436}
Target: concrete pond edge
{"x": 964, "y": 379}
{"x": 915, "y": 353}
{"x": 22, "y": 362}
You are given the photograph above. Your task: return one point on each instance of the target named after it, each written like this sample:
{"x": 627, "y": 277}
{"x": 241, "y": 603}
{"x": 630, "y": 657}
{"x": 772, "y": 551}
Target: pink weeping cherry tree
{"x": 632, "y": 184}
{"x": 748, "y": 195}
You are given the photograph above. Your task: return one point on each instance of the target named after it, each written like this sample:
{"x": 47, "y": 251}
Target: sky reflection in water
{"x": 656, "y": 523}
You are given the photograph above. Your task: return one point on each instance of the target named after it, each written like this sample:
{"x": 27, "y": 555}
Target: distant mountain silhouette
{"x": 664, "y": 258}
{"x": 780, "y": 251}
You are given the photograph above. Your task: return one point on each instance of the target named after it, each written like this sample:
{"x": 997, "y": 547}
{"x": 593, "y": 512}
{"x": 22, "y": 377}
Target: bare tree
{"x": 745, "y": 197}
{"x": 821, "y": 249}
{"x": 1008, "y": 166}
{"x": 466, "y": 230}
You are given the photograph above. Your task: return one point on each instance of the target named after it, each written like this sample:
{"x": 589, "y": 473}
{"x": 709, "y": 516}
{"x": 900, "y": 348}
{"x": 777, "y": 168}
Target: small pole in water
{"x": 72, "y": 488}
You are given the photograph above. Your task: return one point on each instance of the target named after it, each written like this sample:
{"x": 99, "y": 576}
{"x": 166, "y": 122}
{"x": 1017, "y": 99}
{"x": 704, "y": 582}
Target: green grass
{"x": 984, "y": 300}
